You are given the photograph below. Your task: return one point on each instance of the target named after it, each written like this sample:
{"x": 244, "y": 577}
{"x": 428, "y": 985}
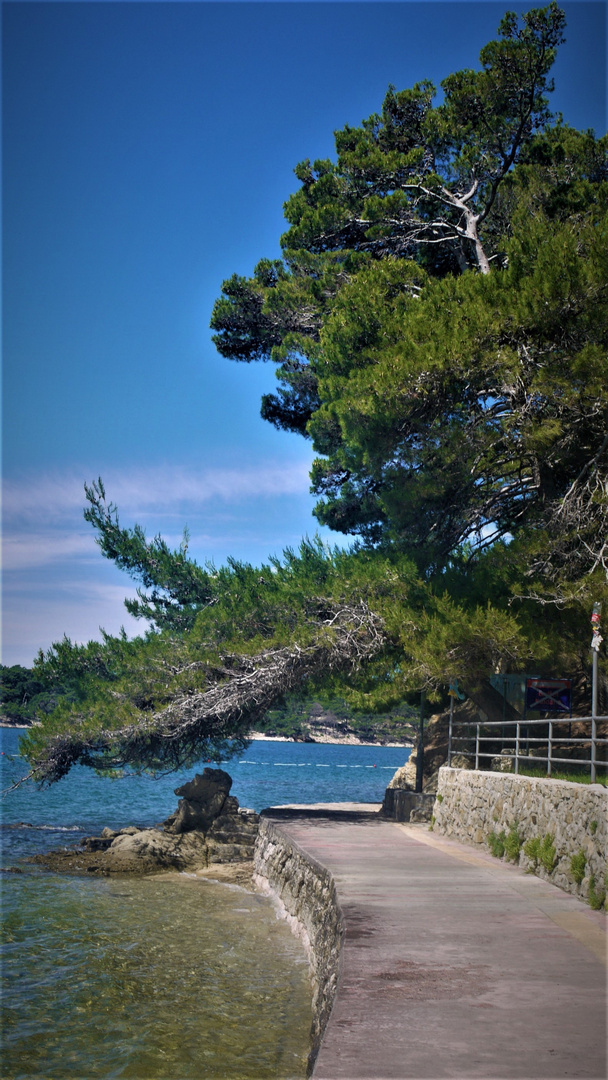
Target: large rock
{"x": 405, "y": 777}
{"x": 159, "y": 850}
{"x": 435, "y": 751}
{"x": 203, "y": 800}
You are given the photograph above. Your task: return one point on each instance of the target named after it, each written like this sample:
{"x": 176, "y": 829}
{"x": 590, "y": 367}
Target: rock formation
{"x": 207, "y": 828}
{"x": 205, "y": 798}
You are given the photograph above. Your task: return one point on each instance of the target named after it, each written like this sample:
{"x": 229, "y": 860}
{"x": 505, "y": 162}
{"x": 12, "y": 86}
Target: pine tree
{"x": 439, "y": 318}
{"x": 416, "y": 181}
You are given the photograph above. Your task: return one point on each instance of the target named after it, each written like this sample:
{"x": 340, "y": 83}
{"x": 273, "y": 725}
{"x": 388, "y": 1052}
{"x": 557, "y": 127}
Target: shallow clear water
{"x": 150, "y": 978}
{"x": 158, "y": 978}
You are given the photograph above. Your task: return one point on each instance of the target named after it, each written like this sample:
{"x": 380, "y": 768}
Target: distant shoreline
{"x": 259, "y": 736}
{"x": 345, "y": 740}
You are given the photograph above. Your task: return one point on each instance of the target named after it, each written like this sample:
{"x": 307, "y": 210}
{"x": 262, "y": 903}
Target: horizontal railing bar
{"x": 530, "y": 722}
{"x": 531, "y": 739}
{"x": 558, "y": 742}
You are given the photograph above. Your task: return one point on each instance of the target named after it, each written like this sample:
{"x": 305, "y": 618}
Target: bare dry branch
{"x": 246, "y": 688}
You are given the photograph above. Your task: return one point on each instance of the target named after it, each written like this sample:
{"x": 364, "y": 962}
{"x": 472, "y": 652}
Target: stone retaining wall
{"x": 306, "y": 895}
{"x": 403, "y": 804}
{"x": 471, "y": 805}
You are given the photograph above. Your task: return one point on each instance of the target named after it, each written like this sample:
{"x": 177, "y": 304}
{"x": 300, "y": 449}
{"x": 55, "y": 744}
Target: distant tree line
{"x": 26, "y": 696}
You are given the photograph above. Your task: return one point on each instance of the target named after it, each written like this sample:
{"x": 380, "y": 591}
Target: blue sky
{"x": 147, "y": 151}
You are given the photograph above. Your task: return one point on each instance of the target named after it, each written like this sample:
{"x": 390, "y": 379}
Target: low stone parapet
{"x": 306, "y": 895}
{"x": 553, "y": 828}
{"x": 401, "y": 804}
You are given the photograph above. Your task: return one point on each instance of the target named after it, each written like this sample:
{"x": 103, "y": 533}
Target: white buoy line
{"x": 310, "y": 765}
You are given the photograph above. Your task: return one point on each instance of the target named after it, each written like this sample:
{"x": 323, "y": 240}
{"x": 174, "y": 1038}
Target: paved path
{"x": 454, "y": 963}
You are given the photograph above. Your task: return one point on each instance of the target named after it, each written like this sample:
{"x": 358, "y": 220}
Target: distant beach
{"x": 330, "y": 740}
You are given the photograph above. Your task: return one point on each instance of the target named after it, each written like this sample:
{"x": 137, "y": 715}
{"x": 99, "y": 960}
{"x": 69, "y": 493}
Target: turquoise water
{"x": 162, "y": 978}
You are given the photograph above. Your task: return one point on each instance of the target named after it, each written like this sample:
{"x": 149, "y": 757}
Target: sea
{"x": 166, "y": 977}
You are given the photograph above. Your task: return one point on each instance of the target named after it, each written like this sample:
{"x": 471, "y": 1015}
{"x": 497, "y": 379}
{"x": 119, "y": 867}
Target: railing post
{"x": 477, "y": 749}
{"x": 593, "y": 714}
{"x": 420, "y": 746}
{"x": 517, "y": 747}
{"x": 596, "y": 641}
{"x": 450, "y": 731}
{"x": 549, "y": 749}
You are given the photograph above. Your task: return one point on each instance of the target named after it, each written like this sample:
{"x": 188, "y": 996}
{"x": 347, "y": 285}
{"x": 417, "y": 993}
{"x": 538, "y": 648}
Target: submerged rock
{"x": 207, "y": 828}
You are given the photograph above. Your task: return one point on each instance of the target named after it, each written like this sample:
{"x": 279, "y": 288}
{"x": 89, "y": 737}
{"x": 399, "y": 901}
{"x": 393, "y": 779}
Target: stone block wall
{"x": 403, "y": 804}
{"x": 306, "y": 895}
{"x": 472, "y": 805}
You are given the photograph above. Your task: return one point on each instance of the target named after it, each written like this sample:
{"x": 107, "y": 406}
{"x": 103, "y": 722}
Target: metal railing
{"x": 516, "y": 733}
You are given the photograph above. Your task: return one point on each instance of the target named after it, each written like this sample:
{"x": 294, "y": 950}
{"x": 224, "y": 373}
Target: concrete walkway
{"x": 454, "y": 963}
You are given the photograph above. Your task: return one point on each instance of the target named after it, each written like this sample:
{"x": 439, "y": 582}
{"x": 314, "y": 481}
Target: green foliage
{"x": 180, "y": 588}
{"x": 593, "y": 827}
{"x": 458, "y": 415}
{"x": 542, "y": 851}
{"x": 497, "y": 842}
{"x": 269, "y": 623}
{"x": 27, "y": 696}
{"x": 415, "y": 182}
{"x": 18, "y": 685}
{"x": 117, "y": 690}
{"x": 548, "y": 854}
{"x": 23, "y": 696}
{"x": 597, "y": 897}
{"x": 398, "y": 186}
{"x": 120, "y": 692}
{"x": 503, "y": 843}
{"x": 513, "y": 842}
{"x": 532, "y": 849}
{"x": 435, "y": 633}
{"x": 429, "y": 419}
{"x": 578, "y": 863}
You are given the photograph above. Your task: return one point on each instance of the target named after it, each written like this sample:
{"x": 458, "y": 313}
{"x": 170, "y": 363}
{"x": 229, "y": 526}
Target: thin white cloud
{"x": 159, "y": 489}
{"x": 56, "y": 580}
{"x": 43, "y": 524}
{"x": 22, "y": 551}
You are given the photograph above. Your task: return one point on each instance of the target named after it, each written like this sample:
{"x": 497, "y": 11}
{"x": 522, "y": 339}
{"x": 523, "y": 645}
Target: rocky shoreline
{"x": 211, "y": 838}
{"x": 207, "y": 832}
